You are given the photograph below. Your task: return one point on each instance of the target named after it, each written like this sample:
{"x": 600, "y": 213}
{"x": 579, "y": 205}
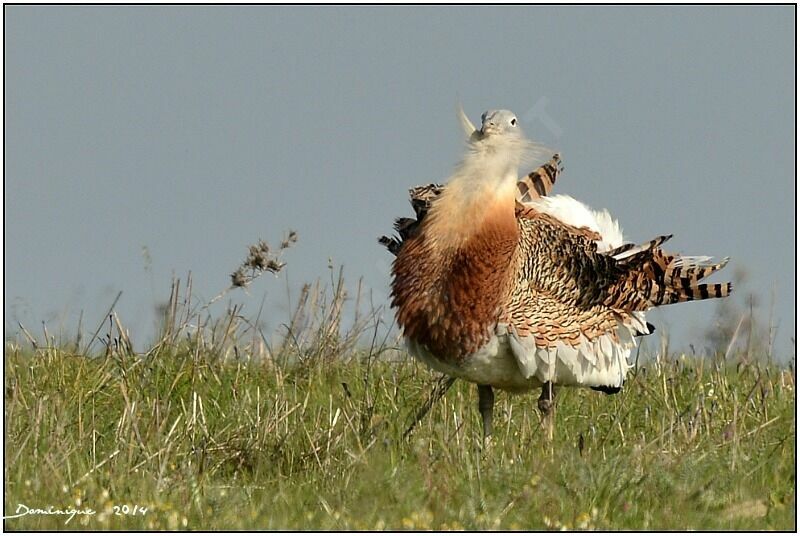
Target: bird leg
{"x": 486, "y": 407}
{"x": 546, "y": 404}
{"x": 442, "y": 385}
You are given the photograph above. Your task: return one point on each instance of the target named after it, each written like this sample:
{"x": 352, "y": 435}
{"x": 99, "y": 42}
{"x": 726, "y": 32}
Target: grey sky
{"x": 194, "y": 131}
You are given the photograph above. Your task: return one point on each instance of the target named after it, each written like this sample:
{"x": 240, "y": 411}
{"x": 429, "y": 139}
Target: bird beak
{"x": 488, "y": 129}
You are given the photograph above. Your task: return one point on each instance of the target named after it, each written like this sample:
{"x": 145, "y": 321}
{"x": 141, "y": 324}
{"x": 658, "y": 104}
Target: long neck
{"x": 481, "y": 192}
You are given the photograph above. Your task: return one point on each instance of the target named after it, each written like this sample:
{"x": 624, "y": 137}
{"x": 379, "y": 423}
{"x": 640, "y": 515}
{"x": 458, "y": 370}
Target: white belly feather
{"x": 515, "y": 364}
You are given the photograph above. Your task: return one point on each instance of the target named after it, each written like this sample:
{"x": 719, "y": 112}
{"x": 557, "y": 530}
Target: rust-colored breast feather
{"x": 450, "y": 298}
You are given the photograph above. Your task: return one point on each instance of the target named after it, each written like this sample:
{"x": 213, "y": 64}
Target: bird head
{"x": 499, "y": 123}
{"x": 497, "y": 147}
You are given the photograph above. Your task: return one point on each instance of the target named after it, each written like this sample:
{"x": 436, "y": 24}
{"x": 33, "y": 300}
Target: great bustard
{"x": 504, "y": 286}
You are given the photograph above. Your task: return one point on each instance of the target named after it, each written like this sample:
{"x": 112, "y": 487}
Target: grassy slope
{"x": 210, "y": 445}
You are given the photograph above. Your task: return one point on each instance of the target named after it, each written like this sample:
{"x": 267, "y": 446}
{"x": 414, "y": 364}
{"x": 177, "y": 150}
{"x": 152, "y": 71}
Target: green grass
{"x": 206, "y": 442}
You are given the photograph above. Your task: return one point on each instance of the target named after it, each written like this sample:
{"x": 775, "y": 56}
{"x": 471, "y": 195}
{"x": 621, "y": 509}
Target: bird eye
{"x": 514, "y": 122}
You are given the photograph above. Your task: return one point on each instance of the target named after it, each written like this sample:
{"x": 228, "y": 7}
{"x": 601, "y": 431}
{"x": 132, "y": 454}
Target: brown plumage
{"x": 539, "y": 182}
{"x": 497, "y": 283}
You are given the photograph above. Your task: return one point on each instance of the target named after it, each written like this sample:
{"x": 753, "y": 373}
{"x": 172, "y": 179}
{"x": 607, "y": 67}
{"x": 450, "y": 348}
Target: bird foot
{"x": 547, "y": 426}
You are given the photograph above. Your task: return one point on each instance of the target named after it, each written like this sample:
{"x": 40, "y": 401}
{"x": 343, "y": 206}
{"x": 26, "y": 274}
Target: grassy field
{"x": 206, "y": 442}
{"x": 214, "y": 428}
